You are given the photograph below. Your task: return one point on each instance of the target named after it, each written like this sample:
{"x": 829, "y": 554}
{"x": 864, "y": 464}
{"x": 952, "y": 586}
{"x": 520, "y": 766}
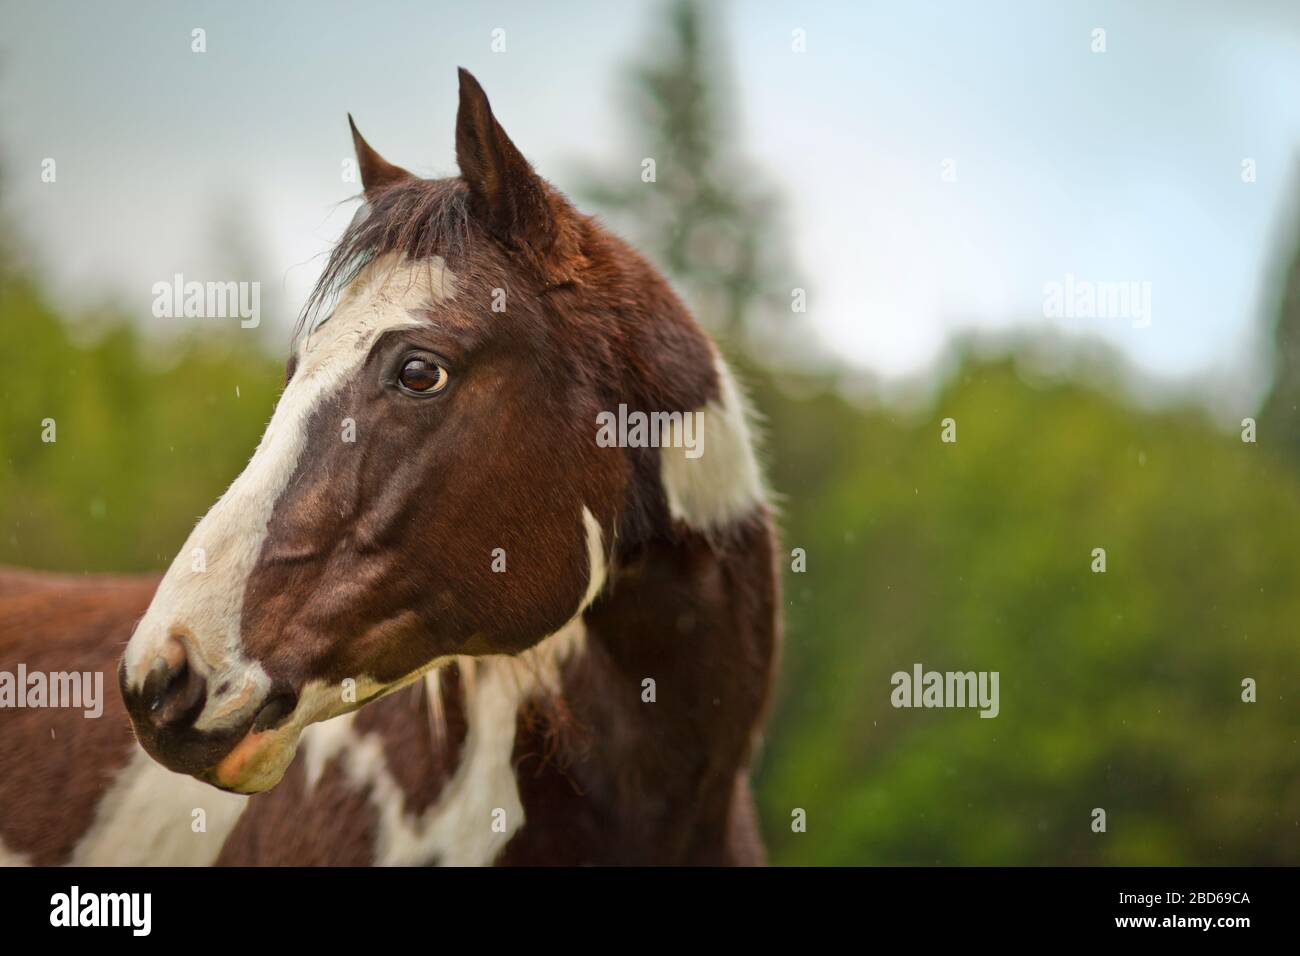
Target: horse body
{"x": 77, "y": 790}
{"x": 459, "y": 629}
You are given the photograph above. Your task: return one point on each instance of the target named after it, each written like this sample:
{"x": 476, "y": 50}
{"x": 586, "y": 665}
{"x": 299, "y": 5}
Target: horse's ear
{"x": 513, "y": 201}
{"x": 376, "y": 172}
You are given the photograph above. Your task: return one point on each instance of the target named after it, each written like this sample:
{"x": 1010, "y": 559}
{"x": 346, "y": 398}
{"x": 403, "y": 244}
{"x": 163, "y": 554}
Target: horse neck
{"x": 646, "y": 745}
{"x": 695, "y": 614}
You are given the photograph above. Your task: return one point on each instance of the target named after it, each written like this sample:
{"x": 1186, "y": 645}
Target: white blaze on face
{"x": 204, "y": 607}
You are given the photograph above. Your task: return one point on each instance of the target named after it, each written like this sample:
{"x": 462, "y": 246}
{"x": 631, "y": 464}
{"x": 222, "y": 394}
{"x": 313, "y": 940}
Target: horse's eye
{"x": 423, "y": 376}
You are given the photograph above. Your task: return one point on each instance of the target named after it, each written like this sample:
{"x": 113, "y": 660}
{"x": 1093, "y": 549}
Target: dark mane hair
{"x": 418, "y": 217}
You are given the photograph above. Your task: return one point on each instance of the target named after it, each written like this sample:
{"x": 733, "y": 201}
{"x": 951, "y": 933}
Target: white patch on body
{"x": 146, "y": 819}
{"x": 725, "y": 483}
{"x": 207, "y": 606}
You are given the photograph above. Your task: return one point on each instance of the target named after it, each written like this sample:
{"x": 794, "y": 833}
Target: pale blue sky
{"x": 1117, "y": 166}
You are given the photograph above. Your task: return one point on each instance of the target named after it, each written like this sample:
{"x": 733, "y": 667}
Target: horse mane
{"x": 419, "y": 218}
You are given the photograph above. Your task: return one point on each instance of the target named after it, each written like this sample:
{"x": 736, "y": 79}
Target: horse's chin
{"x": 257, "y": 763}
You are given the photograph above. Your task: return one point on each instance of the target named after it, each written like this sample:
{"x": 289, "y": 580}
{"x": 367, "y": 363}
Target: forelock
{"x": 418, "y": 218}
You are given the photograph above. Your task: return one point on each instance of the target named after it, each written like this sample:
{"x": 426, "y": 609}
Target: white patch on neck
{"x": 596, "y": 561}
{"x": 725, "y": 483}
{"x": 208, "y": 605}
{"x": 479, "y": 809}
{"x": 147, "y": 819}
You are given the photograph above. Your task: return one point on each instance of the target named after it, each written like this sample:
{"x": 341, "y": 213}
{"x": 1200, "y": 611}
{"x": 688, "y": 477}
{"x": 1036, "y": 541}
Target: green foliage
{"x": 1120, "y": 690}
{"x": 1280, "y": 416}
{"x": 144, "y": 445}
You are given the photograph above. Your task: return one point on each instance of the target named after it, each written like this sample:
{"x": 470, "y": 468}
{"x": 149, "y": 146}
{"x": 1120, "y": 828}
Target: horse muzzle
{"x": 246, "y": 755}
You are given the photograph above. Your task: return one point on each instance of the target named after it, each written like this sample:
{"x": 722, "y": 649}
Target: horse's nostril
{"x": 173, "y": 691}
{"x": 161, "y": 679}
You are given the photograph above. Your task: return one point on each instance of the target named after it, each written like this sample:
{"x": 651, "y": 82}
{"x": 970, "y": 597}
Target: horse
{"x": 435, "y": 620}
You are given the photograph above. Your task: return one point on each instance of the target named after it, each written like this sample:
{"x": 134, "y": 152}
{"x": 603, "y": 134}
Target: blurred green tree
{"x": 1280, "y": 417}
{"x": 706, "y": 218}
{"x": 1120, "y": 690}
{"x": 146, "y": 436}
